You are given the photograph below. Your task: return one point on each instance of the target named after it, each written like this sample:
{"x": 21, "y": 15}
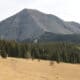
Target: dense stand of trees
{"x": 58, "y": 51}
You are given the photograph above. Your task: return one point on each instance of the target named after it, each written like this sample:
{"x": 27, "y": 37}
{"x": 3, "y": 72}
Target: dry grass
{"x": 22, "y": 69}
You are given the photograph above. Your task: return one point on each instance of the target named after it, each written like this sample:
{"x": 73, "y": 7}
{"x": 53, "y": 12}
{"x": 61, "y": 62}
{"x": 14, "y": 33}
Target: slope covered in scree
{"x": 30, "y": 24}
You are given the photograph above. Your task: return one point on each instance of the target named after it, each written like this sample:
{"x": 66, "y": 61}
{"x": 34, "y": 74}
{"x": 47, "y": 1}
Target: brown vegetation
{"x": 26, "y": 69}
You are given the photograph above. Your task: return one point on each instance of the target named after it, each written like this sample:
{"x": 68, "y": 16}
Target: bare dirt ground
{"x": 26, "y": 69}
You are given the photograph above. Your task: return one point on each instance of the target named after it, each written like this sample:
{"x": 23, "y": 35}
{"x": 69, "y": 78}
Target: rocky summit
{"x": 31, "y": 24}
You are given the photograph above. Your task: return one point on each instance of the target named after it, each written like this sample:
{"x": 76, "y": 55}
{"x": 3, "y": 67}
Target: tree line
{"x": 58, "y": 51}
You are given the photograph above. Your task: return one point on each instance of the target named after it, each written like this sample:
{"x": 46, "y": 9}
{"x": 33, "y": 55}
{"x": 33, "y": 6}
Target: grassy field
{"x": 26, "y": 69}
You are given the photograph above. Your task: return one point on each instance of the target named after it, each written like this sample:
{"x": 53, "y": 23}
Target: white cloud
{"x": 65, "y": 9}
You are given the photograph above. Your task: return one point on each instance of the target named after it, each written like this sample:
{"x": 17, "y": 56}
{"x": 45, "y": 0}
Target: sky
{"x": 68, "y": 10}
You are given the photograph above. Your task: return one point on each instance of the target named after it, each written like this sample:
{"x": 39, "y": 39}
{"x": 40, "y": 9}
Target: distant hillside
{"x": 31, "y": 24}
{"x": 50, "y": 37}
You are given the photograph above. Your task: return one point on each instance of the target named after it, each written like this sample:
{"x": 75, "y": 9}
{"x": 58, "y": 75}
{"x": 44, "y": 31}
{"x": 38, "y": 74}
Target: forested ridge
{"x": 55, "y": 51}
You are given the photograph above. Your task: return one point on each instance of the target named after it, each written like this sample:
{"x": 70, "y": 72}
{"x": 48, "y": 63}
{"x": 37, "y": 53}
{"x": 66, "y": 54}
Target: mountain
{"x": 50, "y": 37}
{"x": 31, "y": 24}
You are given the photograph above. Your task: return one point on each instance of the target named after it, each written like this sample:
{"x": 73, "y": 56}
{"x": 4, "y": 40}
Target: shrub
{"x": 3, "y": 54}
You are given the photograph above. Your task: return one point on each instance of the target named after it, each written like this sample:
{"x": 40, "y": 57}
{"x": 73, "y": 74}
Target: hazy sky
{"x": 68, "y": 10}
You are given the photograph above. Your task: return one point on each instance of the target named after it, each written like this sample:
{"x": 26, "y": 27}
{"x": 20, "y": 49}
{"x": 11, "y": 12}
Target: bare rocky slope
{"x": 31, "y": 24}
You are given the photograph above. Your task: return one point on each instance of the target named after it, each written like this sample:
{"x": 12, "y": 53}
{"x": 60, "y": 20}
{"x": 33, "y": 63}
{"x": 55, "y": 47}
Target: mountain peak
{"x": 24, "y": 10}
{"x": 30, "y": 24}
